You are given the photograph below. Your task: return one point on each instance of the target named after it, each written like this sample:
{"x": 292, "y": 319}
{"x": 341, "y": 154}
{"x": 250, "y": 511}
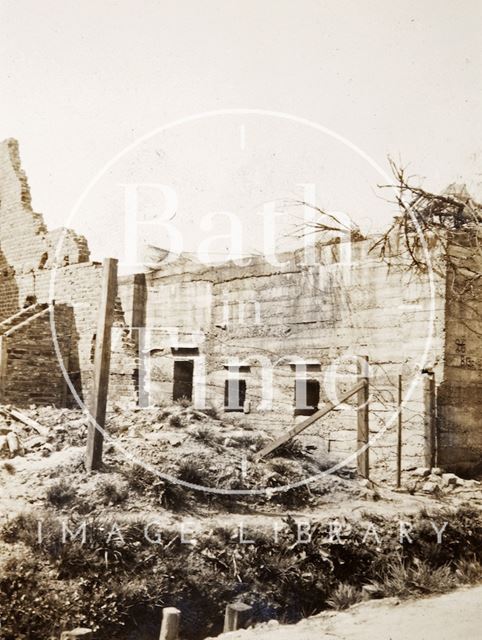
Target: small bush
{"x": 60, "y": 493}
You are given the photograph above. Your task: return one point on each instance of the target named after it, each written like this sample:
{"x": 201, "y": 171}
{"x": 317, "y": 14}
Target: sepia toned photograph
{"x": 240, "y": 320}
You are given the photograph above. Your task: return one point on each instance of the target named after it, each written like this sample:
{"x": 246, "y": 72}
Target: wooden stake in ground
{"x": 101, "y": 364}
{"x": 399, "y": 434}
{"x": 363, "y": 432}
{"x": 429, "y": 413}
{"x": 170, "y": 624}
{"x": 238, "y": 616}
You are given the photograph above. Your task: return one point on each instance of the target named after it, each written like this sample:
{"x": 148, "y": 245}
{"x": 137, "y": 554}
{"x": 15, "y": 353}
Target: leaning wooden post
{"x": 399, "y": 434}
{"x": 429, "y": 418}
{"x": 101, "y": 364}
{"x": 363, "y": 433}
{"x": 238, "y": 616}
{"x": 170, "y": 624}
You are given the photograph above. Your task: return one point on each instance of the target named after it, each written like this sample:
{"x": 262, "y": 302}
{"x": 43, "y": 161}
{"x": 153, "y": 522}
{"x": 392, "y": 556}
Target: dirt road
{"x": 453, "y": 616}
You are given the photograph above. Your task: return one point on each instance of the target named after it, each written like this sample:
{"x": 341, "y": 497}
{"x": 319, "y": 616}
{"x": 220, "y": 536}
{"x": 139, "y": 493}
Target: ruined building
{"x": 266, "y": 343}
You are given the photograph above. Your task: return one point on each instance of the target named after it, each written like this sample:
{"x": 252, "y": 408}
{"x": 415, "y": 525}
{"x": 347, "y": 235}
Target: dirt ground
{"x": 452, "y": 616}
{"x": 200, "y": 449}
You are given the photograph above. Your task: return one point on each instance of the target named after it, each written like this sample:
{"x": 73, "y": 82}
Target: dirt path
{"x": 453, "y": 616}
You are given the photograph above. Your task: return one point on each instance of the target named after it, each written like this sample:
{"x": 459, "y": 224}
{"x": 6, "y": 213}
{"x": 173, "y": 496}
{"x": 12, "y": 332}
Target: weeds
{"x": 112, "y": 492}
{"x": 60, "y": 493}
{"x": 344, "y": 596}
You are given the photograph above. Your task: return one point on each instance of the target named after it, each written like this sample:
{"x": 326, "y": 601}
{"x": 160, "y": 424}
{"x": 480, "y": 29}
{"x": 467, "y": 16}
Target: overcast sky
{"x": 80, "y": 81}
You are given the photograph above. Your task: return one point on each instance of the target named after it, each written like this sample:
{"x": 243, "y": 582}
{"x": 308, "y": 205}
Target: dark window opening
{"x": 307, "y": 397}
{"x": 234, "y": 394}
{"x": 183, "y": 377}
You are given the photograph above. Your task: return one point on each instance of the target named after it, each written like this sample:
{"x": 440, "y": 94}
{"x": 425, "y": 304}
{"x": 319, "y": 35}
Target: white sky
{"x": 82, "y": 80}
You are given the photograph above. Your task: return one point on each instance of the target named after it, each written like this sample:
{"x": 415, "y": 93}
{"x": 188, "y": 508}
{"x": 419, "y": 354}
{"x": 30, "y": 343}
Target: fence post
{"x": 95, "y": 437}
{"x": 363, "y": 432}
{"x": 170, "y": 624}
{"x": 237, "y": 616}
{"x": 399, "y": 434}
{"x": 429, "y": 418}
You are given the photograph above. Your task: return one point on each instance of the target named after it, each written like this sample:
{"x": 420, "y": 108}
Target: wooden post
{"x": 101, "y": 364}
{"x": 429, "y": 418}
{"x": 399, "y": 434}
{"x": 170, "y": 624}
{"x": 363, "y": 433}
{"x": 237, "y": 616}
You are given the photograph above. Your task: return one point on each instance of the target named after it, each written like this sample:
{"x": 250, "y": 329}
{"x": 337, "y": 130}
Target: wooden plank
{"x": 20, "y": 417}
{"x": 399, "y": 434}
{"x": 363, "y": 430}
{"x": 98, "y": 407}
{"x": 306, "y": 423}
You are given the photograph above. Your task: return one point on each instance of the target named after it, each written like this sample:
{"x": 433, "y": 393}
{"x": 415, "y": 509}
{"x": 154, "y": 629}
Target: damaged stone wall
{"x": 268, "y": 318}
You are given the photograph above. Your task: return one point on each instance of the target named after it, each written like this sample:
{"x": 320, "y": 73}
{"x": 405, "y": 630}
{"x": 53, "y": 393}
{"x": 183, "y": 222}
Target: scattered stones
{"x": 423, "y": 472}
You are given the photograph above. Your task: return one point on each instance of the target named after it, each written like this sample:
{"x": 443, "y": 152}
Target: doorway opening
{"x": 183, "y": 380}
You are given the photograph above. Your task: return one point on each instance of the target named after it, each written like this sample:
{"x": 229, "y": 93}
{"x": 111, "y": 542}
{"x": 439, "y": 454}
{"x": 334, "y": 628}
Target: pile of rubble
{"x": 436, "y": 482}
{"x": 39, "y": 429}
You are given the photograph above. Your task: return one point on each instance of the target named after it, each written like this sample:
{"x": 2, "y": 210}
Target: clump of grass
{"x": 138, "y": 478}
{"x": 291, "y": 449}
{"x": 344, "y": 596}
{"x": 9, "y": 468}
{"x": 405, "y": 580}
{"x": 204, "y": 435}
{"x": 468, "y": 571}
{"x": 60, "y": 493}
{"x": 112, "y": 492}
{"x": 211, "y": 412}
{"x": 183, "y": 402}
{"x": 248, "y": 440}
{"x": 188, "y": 471}
{"x": 175, "y": 421}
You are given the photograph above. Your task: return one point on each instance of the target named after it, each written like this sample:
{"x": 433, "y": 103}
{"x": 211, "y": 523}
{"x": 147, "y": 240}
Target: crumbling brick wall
{"x": 37, "y": 265}
{"x": 29, "y": 360}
